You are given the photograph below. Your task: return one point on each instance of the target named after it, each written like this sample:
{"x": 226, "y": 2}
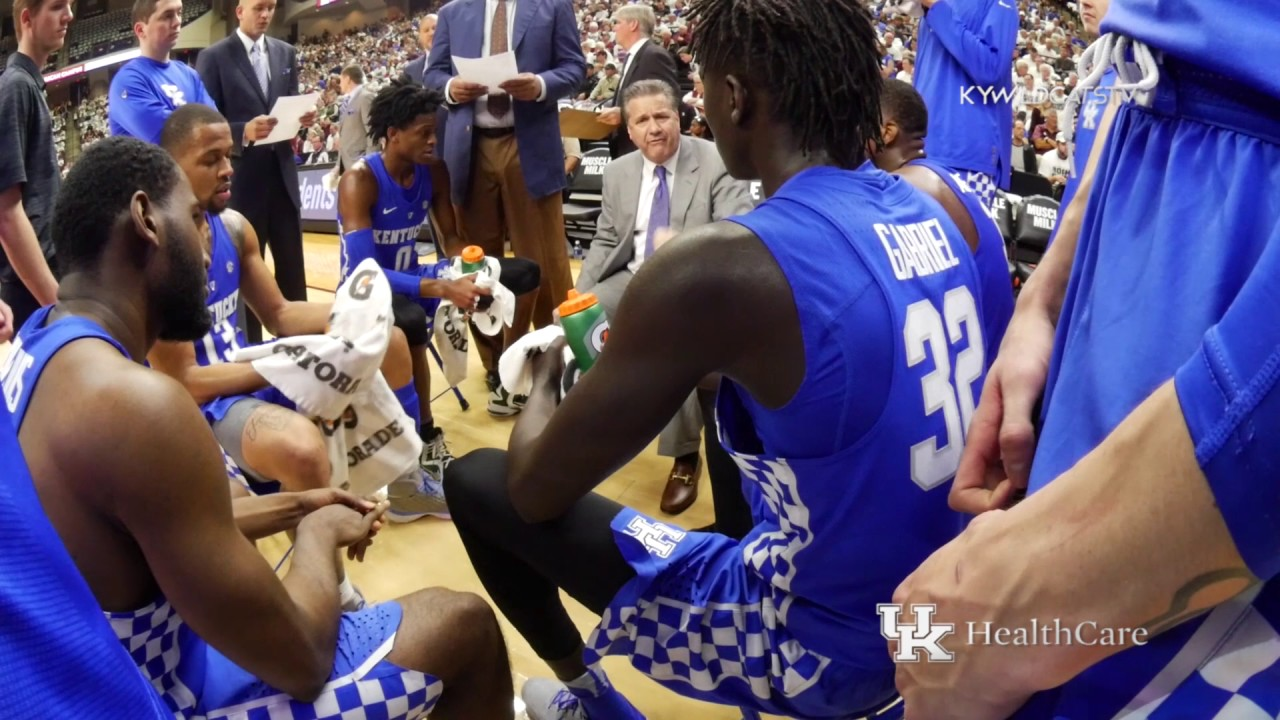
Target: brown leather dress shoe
{"x": 682, "y": 486}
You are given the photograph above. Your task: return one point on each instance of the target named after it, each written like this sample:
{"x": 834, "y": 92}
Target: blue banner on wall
{"x": 318, "y": 204}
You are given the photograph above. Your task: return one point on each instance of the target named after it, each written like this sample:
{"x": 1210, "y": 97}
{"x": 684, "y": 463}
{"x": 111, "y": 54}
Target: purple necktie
{"x": 659, "y": 212}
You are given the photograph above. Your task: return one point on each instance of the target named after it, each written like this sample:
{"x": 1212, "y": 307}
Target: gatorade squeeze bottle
{"x": 585, "y": 327}
{"x": 472, "y": 259}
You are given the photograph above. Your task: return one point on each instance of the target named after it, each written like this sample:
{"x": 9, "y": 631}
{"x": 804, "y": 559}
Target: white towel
{"x": 514, "y": 367}
{"x": 451, "y": 322}
{"x": 335, "y": 380}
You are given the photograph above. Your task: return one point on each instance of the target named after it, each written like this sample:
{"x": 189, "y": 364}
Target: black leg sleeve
{"x": 523, "y": 566}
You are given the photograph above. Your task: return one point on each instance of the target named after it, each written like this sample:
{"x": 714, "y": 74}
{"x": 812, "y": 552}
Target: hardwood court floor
{"x": 428, "y": 552}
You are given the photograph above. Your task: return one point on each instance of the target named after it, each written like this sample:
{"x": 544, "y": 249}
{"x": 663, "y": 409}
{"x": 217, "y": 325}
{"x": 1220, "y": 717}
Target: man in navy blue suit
{"x": 503, "y": 149}
{"x": 245, "y": 73}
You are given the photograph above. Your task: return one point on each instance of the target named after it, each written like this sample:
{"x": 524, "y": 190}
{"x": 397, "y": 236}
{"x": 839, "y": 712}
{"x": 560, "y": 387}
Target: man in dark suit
{"x": 633, "y": 26}
{"x": 503, "y": 149}
{"x": 416, "y": 70}
{"x": 245, "y": 73}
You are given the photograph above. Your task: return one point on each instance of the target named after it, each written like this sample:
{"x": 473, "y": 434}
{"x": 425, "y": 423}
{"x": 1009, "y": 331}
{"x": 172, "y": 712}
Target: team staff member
{"x": 29, "y": 178}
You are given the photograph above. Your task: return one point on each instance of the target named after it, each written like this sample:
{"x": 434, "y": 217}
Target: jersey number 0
{"x": 932, "y": 465}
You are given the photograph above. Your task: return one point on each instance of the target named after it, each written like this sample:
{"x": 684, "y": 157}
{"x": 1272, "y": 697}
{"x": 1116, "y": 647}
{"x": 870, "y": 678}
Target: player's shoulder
{"x": 112, "y": 392}
{"x": 360, "y": 177}
{"x": 233, "y": 223}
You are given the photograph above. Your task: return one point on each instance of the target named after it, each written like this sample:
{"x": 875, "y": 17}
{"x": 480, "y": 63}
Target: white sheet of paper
{"x": 489, "y": 71}
{"x": 288, "y": 111}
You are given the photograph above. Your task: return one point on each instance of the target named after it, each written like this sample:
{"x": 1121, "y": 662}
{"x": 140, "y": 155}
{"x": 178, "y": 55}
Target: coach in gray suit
{"x": 353, "y": 118}
{"x": 670, "y": 184}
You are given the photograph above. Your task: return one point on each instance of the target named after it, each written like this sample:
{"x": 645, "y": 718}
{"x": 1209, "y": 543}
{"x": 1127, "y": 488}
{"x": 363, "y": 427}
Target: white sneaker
{"x": 546, "y": 699}
{"x": 416, "y": 496}
{"x": 435, "y": 456}
{"x": 590, "y": 698}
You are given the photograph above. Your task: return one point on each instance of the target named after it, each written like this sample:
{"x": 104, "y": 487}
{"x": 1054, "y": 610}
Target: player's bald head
{"x": 182, "y": 125}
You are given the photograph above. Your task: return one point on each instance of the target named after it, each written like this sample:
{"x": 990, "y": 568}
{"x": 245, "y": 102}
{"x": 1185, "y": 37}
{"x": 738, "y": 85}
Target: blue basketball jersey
{"x": 226, "y": 336}
{"x": 852, "y": 473}
{"x": 57, "y": 653}
{"x": 33, "y": 347}
{"x": 398, "y": 215}
{"x": 993, "y": 264}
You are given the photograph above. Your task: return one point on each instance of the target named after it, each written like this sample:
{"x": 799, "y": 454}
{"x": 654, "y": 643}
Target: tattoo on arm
{"x": 271, "y": 418}
{"x": 1181, "y": 607}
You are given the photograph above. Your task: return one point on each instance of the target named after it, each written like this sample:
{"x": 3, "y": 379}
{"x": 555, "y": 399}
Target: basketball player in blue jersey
{"x": 1151, "y": 481}
{"x": 59, "y": 653}
{"x": 845, "y": 315}
{"x": 148, "y": 88}
{"x": 140, "y": 500}
{"x": 384, "y": 200}
{"x": 902, "y": 152}
{"x": 255, "y": 423}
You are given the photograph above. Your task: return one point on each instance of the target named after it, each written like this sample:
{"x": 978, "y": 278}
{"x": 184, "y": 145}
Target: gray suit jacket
{"x": 703, "y": 193}
{"x": 353, "y": 129}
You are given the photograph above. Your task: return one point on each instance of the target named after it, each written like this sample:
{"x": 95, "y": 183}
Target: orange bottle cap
{"x": 472, "y": 254}
{"x": 577, "y": 303}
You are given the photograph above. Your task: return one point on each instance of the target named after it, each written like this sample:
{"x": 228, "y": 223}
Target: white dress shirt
{"x": 648, "y": 188}
{"x": 631, "y": 57}
{"x": 484, "y": 118}
{"x": 262, "y": 47}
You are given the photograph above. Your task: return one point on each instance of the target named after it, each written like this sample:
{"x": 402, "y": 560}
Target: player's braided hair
{"x": 398, "y": 104}
{"x": 819, "y": 60}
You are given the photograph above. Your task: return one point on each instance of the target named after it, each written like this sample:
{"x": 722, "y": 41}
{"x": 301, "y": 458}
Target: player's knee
{"x": 303, "y": 451}
{"x": 474, "y": 481}
{"x": 411, "y": 318}
{"x": 397, "y": 365}
{"x": 521, "y": 275}
{"x": 462, "y": 620}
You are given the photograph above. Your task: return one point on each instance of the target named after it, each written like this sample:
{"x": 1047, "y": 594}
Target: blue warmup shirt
{"x": 962, "y": 72}
{"x": 224, "y": 298}
{"x": 397, "y": 216}
{"x": 58, "y": 655}
{"x": 1176, "y": 277}
{"x": 993, "y": 264}
{"x": 145, "y": 93}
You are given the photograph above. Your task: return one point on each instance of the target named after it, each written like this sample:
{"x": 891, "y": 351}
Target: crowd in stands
{"x": 1049, "y": 44}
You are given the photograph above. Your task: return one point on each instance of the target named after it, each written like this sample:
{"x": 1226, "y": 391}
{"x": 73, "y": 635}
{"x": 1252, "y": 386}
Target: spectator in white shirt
{"x": 1055, "y": 164}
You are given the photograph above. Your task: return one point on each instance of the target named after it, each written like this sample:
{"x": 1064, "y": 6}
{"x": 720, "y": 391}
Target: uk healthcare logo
{"x": 924, "y": 637}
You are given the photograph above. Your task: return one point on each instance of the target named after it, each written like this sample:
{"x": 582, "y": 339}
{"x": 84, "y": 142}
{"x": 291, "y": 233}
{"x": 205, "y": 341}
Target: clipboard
{"x": 583, "y": 125}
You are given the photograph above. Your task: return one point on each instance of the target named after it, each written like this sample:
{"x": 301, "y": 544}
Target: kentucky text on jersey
{"x": 916, "y": 250}
{"x": 15, "y": 367}
{"x": 398, "y": 236}
{"x": 225, "y": 337}
{"x": 225, "y": 309}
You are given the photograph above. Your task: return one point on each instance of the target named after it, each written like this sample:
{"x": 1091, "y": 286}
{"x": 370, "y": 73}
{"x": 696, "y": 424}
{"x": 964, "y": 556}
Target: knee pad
{"x": 521, "y": 275}
{"x": 411, "y": 318}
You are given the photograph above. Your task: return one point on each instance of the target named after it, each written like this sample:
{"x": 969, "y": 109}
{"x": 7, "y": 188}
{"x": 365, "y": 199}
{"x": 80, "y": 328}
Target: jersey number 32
{"x": 930, "y": 334}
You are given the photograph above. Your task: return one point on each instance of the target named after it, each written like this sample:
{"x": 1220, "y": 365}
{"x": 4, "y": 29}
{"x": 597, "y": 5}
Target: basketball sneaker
{"x": 435, "y": 456}
{"x": 501, "y": 402}
{"x": 415, "y": 496}
{"x": 590, "y": 697}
